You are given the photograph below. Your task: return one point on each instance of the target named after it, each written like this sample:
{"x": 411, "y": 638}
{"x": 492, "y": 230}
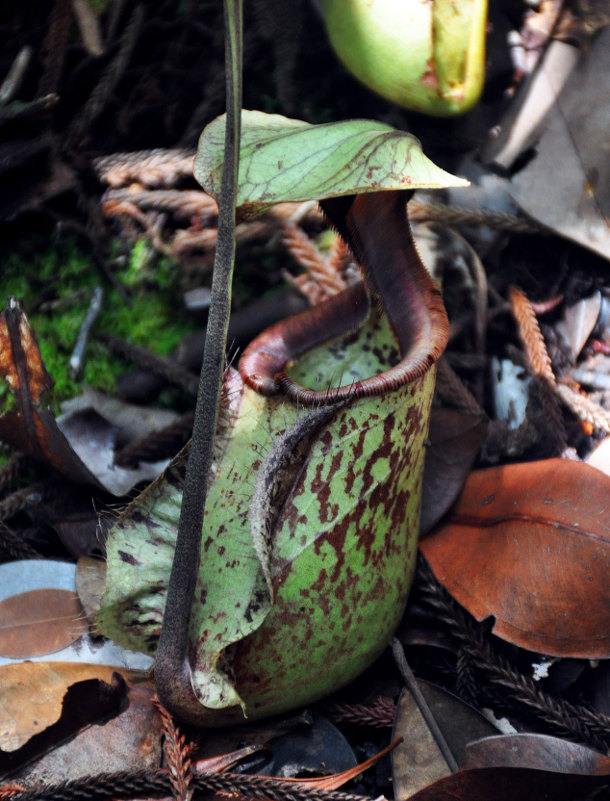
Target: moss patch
{"x": 54, "y": 283}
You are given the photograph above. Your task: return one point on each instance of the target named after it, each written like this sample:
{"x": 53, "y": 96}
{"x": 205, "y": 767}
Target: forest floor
{"x": 506, "y": 631}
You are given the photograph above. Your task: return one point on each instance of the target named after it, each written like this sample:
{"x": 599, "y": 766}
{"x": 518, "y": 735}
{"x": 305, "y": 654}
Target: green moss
{"x": 7, "y": 399}
{"x": 54, "y": 285}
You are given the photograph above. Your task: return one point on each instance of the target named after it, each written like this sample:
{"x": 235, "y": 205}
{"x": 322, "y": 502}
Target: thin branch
{"x": 413, "y": 687}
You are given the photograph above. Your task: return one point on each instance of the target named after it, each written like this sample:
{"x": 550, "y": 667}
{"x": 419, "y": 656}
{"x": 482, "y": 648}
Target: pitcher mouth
{"x": 375, "y": 226}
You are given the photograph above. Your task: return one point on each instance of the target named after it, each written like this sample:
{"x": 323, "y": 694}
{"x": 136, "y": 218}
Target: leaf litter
{"x": 40, "y": 622}
{"x": 79, "y": 445}
{"x": 466, "y": 659}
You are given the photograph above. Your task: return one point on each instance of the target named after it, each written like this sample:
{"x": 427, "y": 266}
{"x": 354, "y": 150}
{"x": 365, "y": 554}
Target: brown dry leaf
{"x": 520, "y": 767}
{"x": 40, "y": 622}
{"x": 530, "y": 545}
{"x": 538, "y": 751}
{"x": 33, "y": 693}
{"x": 131, "y": 741}
{"x": 20, "y": 360}
{"x": 511, "y": 784}
{"x": 418, "y": 760}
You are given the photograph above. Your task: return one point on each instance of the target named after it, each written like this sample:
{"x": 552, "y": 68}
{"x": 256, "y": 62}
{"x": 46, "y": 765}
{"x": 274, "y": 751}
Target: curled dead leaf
{"x": 37, "y": 695}
{"x": 28, "y": 426}
{"x": 510, "y": 784}
{"x": 130, "y": 741}
{"x": 79, "y": 445}
{"x": 538, "y": 751}
{"x": 529, "y": 544}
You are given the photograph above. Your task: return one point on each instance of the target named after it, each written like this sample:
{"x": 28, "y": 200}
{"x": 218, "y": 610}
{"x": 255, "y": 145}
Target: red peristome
{"x": 377, "y": 230}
